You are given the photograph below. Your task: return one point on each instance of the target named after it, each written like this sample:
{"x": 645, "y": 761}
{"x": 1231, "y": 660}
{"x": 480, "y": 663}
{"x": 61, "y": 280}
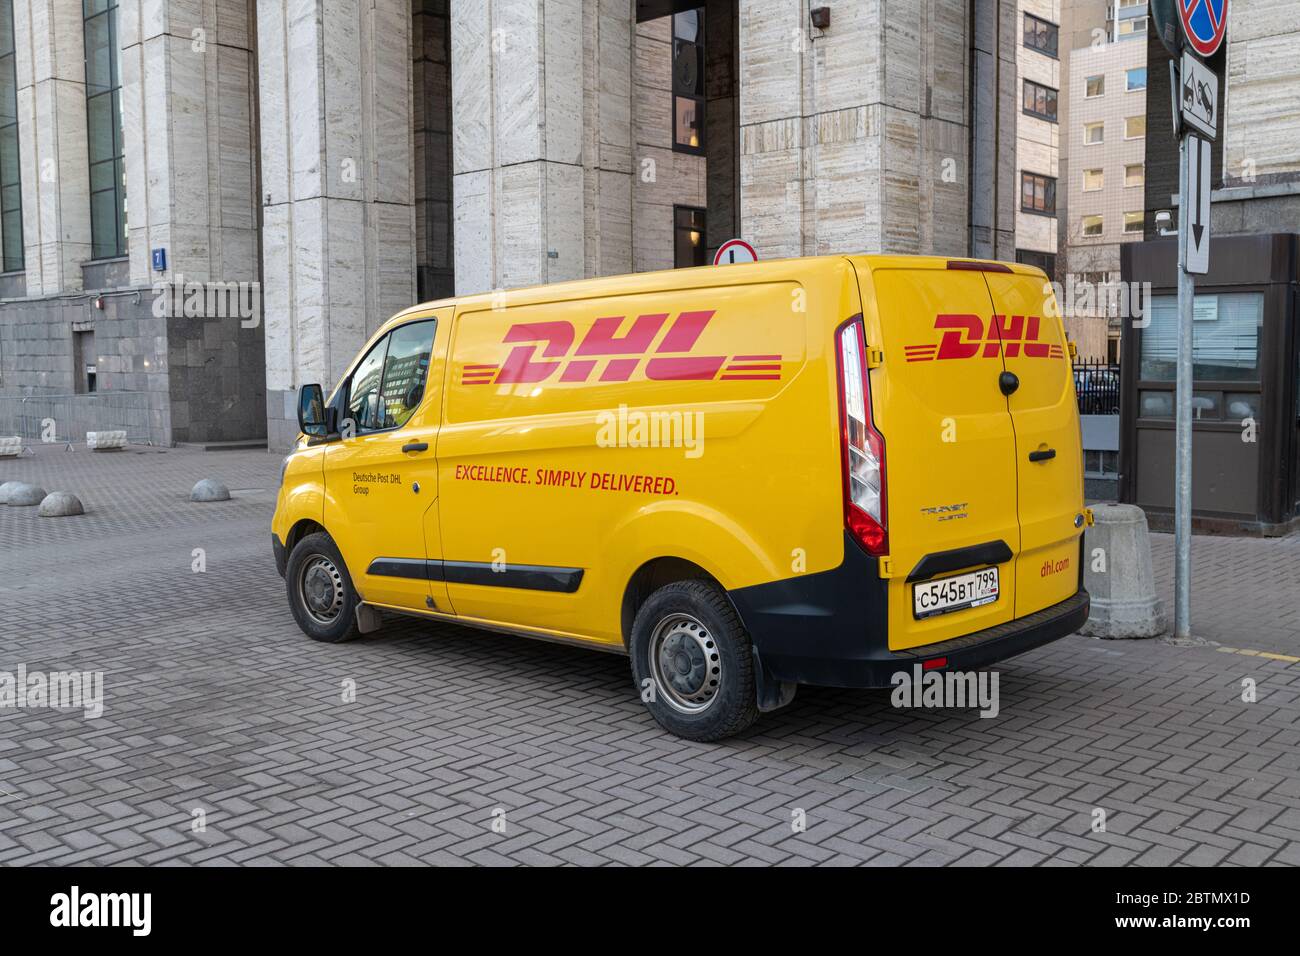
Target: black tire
{"x": 316, "y": 566}
{"x": 690, "y": 622}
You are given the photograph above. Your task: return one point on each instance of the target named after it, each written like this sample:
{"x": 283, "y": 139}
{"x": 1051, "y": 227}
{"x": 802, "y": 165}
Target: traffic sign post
{"x": 1196, "y": 115}
{"x": 1183, "y": 403}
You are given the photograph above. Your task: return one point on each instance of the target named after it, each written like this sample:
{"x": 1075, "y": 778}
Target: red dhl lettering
{"x": 967, "y": 336}
{"x": 543, "y": 349}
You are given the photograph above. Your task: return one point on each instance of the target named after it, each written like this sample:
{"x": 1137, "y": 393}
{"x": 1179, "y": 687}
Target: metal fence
{"x": 48, "y": 419}
{"x": 1097, "y": 386}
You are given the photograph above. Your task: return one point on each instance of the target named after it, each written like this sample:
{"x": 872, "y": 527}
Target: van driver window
{"x": 405, "y": 371}
{"x": 363, "y": 394}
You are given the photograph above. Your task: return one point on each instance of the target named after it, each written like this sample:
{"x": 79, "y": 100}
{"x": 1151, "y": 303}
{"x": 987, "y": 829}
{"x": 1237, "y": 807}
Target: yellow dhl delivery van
{"x": 745, "y": 477}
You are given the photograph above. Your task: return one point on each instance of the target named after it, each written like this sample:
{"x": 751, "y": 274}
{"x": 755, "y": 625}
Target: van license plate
{"x": 961, "y": 591}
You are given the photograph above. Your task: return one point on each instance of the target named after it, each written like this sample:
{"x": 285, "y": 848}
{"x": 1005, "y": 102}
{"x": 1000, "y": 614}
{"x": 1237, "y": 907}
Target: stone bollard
{"x": 60, "y": 504}
{"x": 209, "y": 489}
{"x": 1117, "y": 573}
{"x": 19, "y": 494}
{"x": 11, "y": 446}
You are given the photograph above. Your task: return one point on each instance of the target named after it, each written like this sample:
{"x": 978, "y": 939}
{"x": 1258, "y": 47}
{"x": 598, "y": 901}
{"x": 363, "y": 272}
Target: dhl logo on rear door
{"x": 965, "y": 336}
{"x": 618, "y": 356}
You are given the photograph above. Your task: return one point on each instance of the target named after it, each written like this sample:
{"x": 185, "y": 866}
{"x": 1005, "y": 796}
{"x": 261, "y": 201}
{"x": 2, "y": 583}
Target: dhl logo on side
{"x": 964, "y": 337}
{"x": 617, "y": 356}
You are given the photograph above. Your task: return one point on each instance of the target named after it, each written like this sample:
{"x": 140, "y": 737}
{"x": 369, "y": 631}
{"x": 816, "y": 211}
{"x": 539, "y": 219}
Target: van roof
{"x": 766, "y": 270}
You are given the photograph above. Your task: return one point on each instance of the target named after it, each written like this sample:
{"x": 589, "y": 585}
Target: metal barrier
{"x": 65, "y": 419}
{"x": 1096, "y": 384}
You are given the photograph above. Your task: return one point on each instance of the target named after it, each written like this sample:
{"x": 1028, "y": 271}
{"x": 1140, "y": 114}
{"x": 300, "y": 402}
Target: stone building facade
{"x": 328, "y": 162}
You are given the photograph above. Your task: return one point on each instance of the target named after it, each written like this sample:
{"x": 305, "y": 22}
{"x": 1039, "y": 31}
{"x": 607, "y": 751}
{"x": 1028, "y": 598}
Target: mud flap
{"x": 772, "y": 694}
{"x": 369, "y": 619}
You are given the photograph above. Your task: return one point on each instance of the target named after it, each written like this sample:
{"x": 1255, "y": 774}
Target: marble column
{"x": 541, "y": 152}
{"x": 50, "y": 66}
{"x": 335, "y": 98}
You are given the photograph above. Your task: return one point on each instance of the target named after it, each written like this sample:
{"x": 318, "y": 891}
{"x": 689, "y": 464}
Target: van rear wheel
{"x": 692, "y": 663}
{"x": 320, "y": 590}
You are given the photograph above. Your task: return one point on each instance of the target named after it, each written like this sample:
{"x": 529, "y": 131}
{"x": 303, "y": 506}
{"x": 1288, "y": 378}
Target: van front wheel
{"x": 691, "y": 662}
{"x": 320, "y": 590}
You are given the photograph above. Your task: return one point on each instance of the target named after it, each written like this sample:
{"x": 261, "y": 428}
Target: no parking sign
{"x": 1204, "y": 24}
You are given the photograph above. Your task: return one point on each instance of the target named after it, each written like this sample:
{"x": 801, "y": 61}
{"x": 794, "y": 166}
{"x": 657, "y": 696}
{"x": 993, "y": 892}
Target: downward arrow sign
{"x": 1198, "y": 228}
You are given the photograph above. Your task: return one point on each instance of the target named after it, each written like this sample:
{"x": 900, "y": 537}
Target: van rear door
{"x": 1045, "y": 417}
{"x": 950, "y": 466}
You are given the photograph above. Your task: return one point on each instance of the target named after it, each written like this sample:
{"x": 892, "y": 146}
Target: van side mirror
{"x": 312, "y": 412}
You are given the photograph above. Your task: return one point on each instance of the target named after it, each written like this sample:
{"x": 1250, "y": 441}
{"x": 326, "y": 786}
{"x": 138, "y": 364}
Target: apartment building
{"x": 1106, "y": 135}
{"x": 1038, "y": 133}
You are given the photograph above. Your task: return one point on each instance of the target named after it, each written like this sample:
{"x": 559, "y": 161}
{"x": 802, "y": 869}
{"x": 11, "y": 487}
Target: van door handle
{"x": 416, "y": 446}
{"x": 1008, "y": 382}
{"x": 1042, "y": 455}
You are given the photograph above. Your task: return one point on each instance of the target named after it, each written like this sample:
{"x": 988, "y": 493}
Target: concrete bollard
{"x": 209, "y": 489}
{"x": 1117, "y": 573}
{"x": 19, "y": 494}
{"x": 11, "y": 446}
{"x": 60, "y": 504}
{"x": 103, "y": 441}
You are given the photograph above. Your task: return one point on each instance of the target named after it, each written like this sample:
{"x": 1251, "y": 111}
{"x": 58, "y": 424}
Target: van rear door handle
{"x": 1042, "y": 455}
{"x": 416, "y": 446}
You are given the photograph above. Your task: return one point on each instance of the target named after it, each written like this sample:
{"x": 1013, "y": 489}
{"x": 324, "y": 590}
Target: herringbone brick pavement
{"x": 216, "y": 702}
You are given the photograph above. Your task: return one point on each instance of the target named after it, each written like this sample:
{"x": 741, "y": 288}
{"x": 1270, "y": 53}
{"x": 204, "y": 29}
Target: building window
{"x": 1093, "y": 180}
{"x": 1043, "y": 260}
{"x": 1135, "y": 175}
{"x": 1040, "y": 101}
{"x": 1226, "y": 333}
{"x": 689, "y": 237}
{"x": 1133, "y": 223}
{"x": 1133, "y": 28}
{"x": 1094, "y": 86}
{"x": 104, "y": 129}
{"x": 11, "y": 189}
{"x": 1092, "y": 225}
{"x": 84, "y": 362}
{"x": 1040, "y": 35}
{"x": 688, "y": 81}
{"x": 1135, "y": 79}
{"x": 1094, "y": 134}
{"x": 1038, "y": 194}
{"x": 1135, "y": 127}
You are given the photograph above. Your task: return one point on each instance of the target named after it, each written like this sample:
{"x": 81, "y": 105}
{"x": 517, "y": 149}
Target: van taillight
{"x": 864, "y": 449}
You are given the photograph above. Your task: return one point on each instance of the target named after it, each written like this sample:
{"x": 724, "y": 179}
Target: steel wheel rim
{"x": 320, "y": 590}
{"x": 685, "y": 663}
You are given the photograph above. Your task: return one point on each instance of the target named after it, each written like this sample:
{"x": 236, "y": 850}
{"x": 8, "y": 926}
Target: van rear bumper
{"x": 830, "y": 629}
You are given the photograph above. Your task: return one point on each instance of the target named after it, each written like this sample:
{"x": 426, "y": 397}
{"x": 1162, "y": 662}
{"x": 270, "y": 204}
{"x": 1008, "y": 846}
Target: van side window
{"x": 363, "y": 392}
{"x": 405, "y": 370}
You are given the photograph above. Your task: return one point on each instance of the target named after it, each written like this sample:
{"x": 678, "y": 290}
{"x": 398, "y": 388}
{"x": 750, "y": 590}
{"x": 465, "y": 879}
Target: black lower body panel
{"x": 832, "y": 628}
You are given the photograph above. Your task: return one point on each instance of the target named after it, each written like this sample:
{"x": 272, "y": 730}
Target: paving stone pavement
{"x": 215, "y": 702}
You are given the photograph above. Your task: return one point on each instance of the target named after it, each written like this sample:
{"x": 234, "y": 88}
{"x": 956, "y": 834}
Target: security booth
{"x": 1245, "y": 397}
